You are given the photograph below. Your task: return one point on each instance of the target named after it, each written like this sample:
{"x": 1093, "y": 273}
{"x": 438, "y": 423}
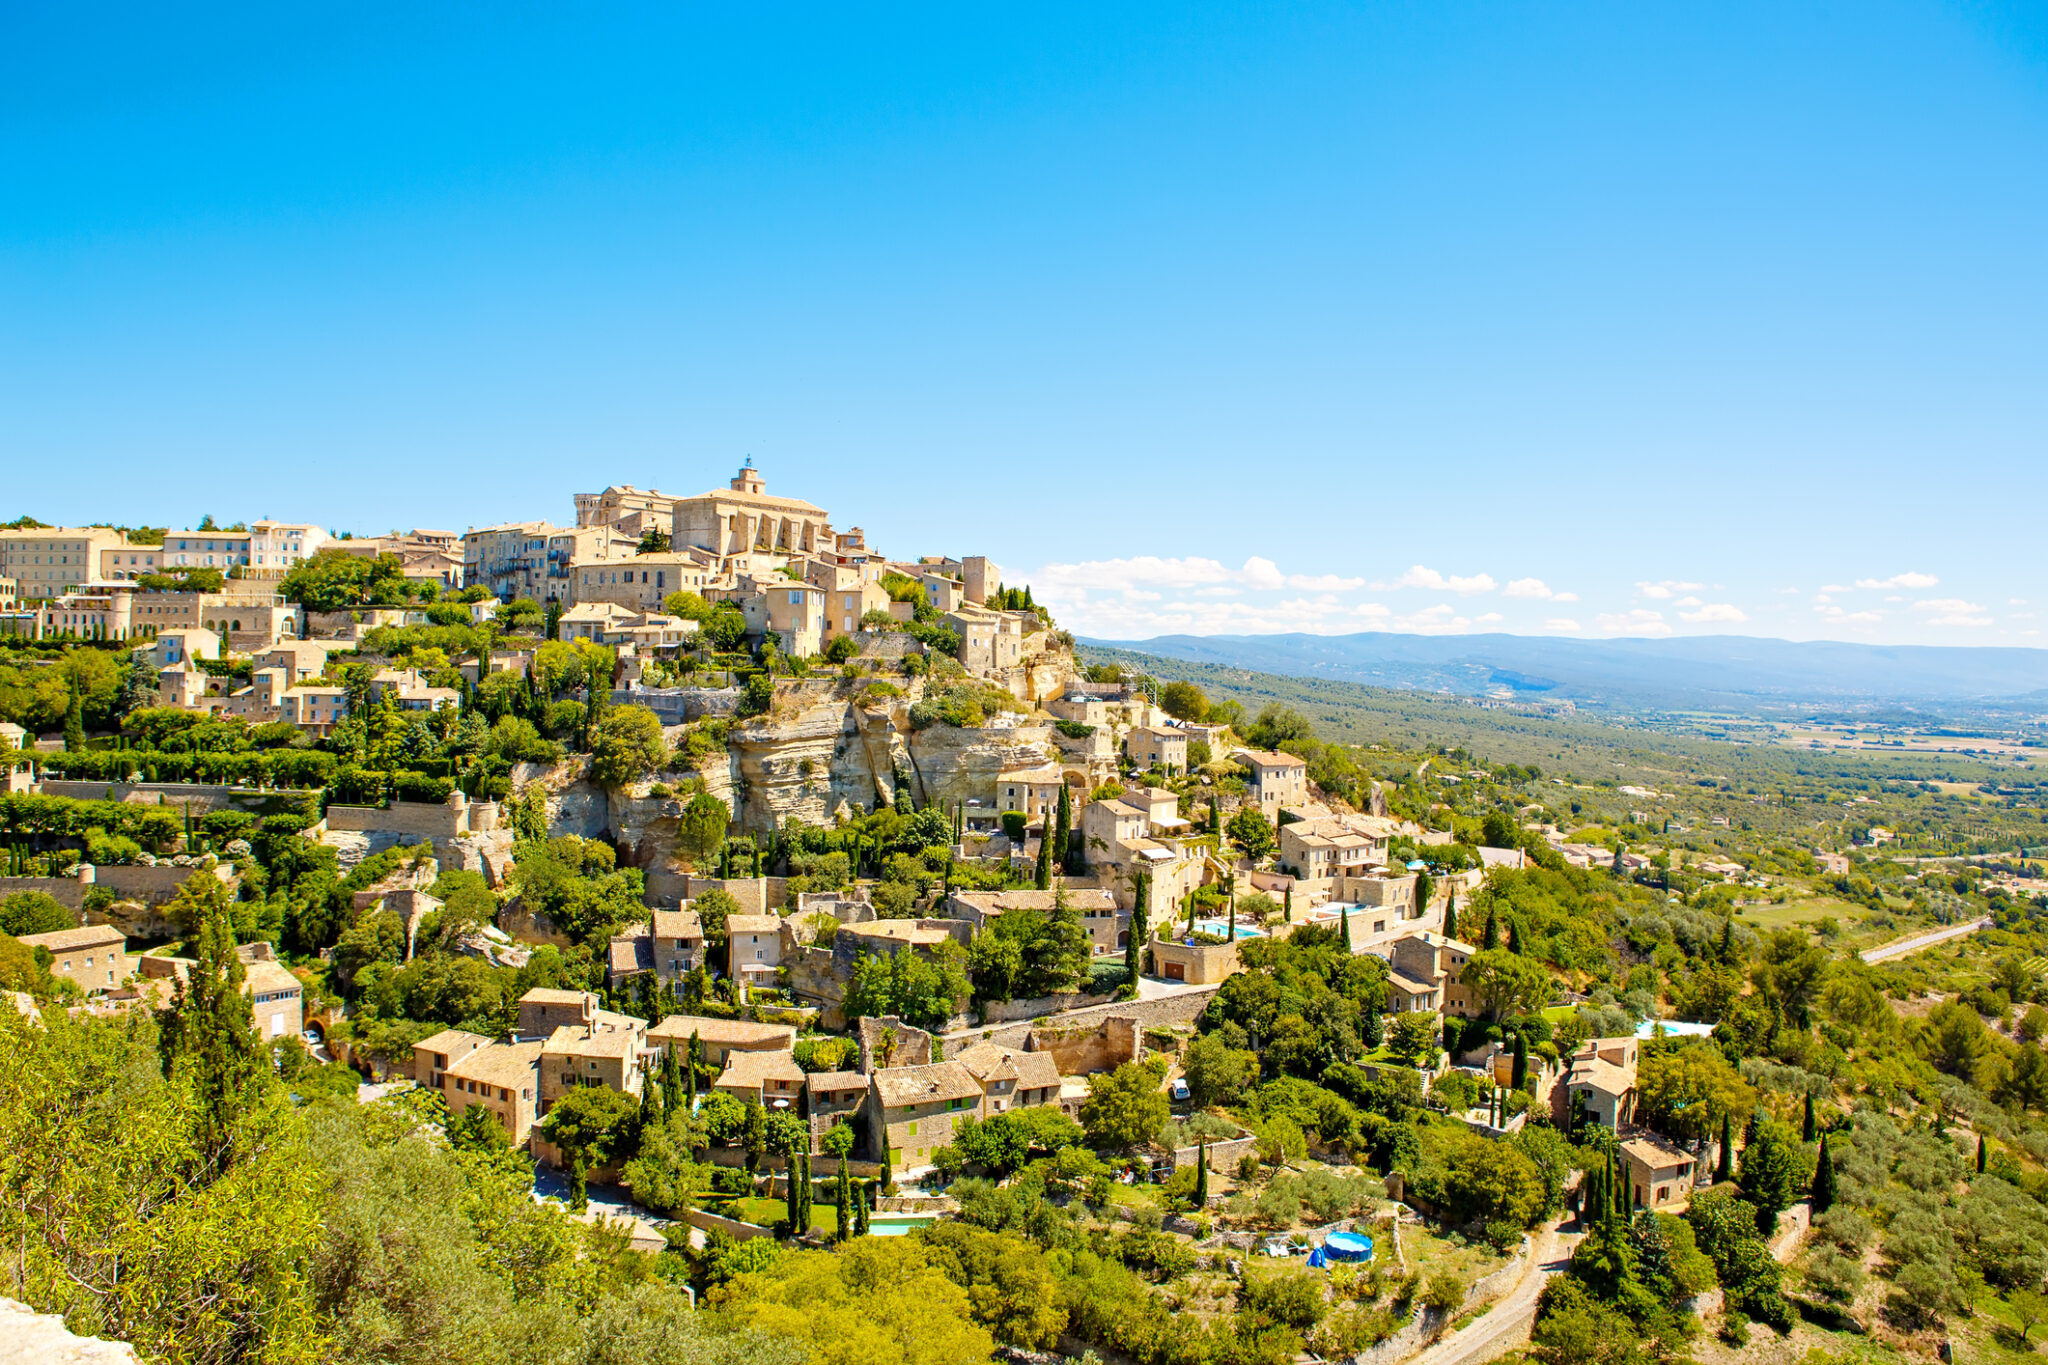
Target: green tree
{"x": 1125, "y": 1108}
{"x": 1686, "y": 1088}
{"x": 700, "y": 832}
{"x": 1416, "y": 1037}
{"x": 34, "y": 912}
{"x": 1216, "y": 1072}
{"x": 1769, "y": 1173}
{"x": 1183, "y": 701}
{"x": 208, "y": 1042}
{"x": 626, "y": 745}
{"x": 74, "y": 719}
{"x": 1823, "y": 1192}
{"x": 593, "y": 1127}
{"x": 1503, "y": 983}
{"x": 1251, "y": 832}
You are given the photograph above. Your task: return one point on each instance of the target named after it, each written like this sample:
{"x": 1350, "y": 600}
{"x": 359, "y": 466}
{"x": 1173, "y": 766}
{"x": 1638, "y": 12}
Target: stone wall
{"x": 448, "y": 819}
{"x": 907, "y": 1045}
{"x": 66, "y": 891}
{"x": 756, "y": 895}
{"x": 711, "y": 1222}
{"x": 1149, "y": 1014}
{"x": 680, "y": 705}
{"x": 1427, "y": 1324}
{"x": 1223, "y": 1156}
{"x": 202, "y": 798}
{"x": 1078, "y": 1049}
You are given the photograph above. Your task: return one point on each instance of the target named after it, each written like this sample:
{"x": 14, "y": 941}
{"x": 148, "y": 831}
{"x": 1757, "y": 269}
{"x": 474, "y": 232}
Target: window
{"x": 912, "y": 1129}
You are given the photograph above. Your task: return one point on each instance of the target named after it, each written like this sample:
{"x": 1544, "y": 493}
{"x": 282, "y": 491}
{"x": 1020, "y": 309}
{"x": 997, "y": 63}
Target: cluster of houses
{"x": 902, "y": 1100}
{"x": 798, "y": 583}
{"x": 95, "y": 958}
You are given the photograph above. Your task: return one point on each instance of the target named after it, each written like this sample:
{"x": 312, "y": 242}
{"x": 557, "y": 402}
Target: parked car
{"x": 1178, "y": 1091}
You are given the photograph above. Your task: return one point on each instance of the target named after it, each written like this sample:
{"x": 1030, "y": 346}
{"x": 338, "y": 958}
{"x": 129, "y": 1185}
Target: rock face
{"x": 825, "y": 750}
{"x": 31, "y": 1338}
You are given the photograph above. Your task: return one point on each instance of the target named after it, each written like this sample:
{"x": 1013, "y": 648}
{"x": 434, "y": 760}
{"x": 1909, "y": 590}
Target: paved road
{"x": 1901, "y": 947}
{"x": 1506, "y": 1325}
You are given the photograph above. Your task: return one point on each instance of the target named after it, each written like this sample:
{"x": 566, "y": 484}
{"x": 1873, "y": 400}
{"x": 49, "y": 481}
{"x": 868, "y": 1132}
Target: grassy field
{"x": 766, "y": 1213}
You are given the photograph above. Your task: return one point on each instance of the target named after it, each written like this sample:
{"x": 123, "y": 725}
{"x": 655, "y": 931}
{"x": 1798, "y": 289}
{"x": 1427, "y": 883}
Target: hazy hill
{"x": 1710, "y": 671}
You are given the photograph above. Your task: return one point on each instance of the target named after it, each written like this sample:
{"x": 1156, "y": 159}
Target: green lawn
{"x": 766, "y": 1213}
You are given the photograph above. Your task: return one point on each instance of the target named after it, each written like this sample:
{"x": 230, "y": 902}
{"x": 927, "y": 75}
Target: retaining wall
{"x": 202, "y": 797}
{"x": 1427, "y": 1323}
{"x": 1150, "y": 1014}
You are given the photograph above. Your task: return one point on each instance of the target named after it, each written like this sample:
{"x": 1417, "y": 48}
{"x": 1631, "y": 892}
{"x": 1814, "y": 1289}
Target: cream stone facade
{"x": 46, "y": 561}
{"x": 1277, "y": 779}
{"x": 744, "y": 519}
{"x": 90, "y": 956}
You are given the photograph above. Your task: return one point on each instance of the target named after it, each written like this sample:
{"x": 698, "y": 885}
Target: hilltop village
{"x": 725, "y": 893}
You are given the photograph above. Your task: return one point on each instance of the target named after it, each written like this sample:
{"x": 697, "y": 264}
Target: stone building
{"x": 744, "y": 519}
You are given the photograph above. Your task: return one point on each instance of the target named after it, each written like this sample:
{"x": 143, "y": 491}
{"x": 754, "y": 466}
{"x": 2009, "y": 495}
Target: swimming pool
{"x": 897, "y": 1224}
{"x": 1221, "y": 929}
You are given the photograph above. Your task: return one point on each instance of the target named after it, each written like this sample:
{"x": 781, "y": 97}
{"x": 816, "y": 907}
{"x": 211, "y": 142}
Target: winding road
{"x": 1506, "y": 1325}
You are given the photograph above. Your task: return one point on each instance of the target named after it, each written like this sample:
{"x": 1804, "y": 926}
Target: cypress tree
{"x": 696, "y": 1059}
{"x": 842, "y": 1202}
{"x": 1515, "y": 936}
{"x": 1489, "y": 937}
{"x": 1287, "y": 903}
{"x": 1727, "y": 948}
{"x": 1063, "y": 832}
{"x": 74, "y": 720}
{"x": 1822, "y": 1195}
{"x": 1724, "y": 1169}
{"x": 1619, "y": 869}
{"x": 886, "y": 1178}
{"x": 1425, "y": 891}
{"x": 1344, "y": 923}
{"x": 1980, "y": 1154}
{"x": 1450, "y": 914}
{"x": 1519, "y": 1078}
{"x": 208, "y": 1035}
{"x": 1202, "y": 1175}
{"x": 860, "y": 1210}
{"x": 1806, "y": 1127}
{"x": 1134, "y": 947}
{"x": 792, "y": 1198}
{"x": 1041, "y": 875}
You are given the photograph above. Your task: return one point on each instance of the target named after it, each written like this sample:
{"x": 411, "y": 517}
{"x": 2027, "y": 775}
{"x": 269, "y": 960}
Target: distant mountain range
{"x": 1700, "y": 672}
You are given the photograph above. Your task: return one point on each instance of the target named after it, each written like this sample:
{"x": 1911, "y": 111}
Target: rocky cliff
{"x": 825, "y": 749}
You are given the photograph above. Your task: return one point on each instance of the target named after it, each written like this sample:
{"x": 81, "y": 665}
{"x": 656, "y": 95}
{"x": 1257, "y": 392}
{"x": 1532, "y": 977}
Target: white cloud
{"x": 1838, "y": 616}
{"x": 1687, "y": 601}
{"x": 1720, "y": 613}
{"x": 1640, "y": 621}
{"x": 1788, "y": 592}
{"x": 1833, "y": 587}
{"x": 1420, "y": 577}
{"x": 1538, "y": 589}
{"x": 1561, "y": 623}
{"x": 1670, "y": 587}
{"x": 1489, "y": 618}
{"x": 1327, "y": 582}
{"x": 1953, "y": 611}
{"x": 1208, "y": 577}
{"x": 1899, "y": 580}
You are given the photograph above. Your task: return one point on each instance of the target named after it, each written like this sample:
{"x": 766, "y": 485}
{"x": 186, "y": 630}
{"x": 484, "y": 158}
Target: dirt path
{"x": 1506, "y": 1325}
{"x": 1901, "y": 947}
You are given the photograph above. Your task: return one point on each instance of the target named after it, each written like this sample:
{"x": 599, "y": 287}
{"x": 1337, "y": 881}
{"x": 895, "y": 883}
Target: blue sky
{"x": 1625, "y": 319}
